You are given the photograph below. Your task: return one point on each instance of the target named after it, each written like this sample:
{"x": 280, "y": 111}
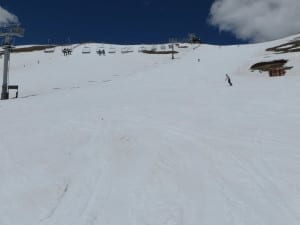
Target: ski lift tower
{"x": 8, "y": 33}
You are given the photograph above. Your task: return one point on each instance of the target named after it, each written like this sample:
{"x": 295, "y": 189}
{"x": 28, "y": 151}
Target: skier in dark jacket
{"x": 228, "y": 80}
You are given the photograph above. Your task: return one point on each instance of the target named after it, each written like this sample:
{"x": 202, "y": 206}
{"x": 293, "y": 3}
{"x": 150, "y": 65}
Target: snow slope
{"x": 135, "y": 139}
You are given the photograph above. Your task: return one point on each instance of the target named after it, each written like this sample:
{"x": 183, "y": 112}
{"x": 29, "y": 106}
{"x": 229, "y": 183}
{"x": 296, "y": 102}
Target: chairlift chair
{"x": 86, "y": 50}
{"x": 130, "y": 49}
{"x": 112, "y": 50}
{"x": 49, "y": 50}
{"x": 124, "y": 50}
{"x": 162, "y": 47}
{"x": 153, "y": 48}
{"x": 141, "y": 49}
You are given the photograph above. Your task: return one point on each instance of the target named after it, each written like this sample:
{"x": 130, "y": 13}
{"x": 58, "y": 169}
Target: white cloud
{"x": 257, "y": 20}
{"x": 6, "y": 17}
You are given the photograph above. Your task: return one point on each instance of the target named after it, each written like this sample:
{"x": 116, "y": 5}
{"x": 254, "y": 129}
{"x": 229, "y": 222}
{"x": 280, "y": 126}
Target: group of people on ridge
{"x": 67, "y": 51}
{"x": 101, "y": 52}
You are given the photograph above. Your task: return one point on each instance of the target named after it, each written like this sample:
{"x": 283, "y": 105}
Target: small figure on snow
{"x": 99, "y": 52}
{"x": 228, "y": 80}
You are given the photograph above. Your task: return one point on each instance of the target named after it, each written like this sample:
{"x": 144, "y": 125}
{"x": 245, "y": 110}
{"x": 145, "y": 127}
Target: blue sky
{"x": 115, "y": 21}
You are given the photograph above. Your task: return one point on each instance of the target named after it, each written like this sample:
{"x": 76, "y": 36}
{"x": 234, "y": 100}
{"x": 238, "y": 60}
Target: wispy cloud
{"x": 7, "y": 17}
{"x": 256, "y": 20}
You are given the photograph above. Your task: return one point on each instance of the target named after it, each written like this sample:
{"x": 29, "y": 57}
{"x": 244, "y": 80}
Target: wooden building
{"x": 277, "y": 72}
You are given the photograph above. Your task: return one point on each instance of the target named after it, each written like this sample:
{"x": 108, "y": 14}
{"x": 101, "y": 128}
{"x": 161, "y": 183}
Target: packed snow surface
{"x": 137, "y": 139}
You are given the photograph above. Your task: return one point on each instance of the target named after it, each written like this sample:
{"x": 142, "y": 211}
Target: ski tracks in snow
{"x": 83, "y": 189}
{"x": 58, "y": 202}
{"x": 258, "y": 186}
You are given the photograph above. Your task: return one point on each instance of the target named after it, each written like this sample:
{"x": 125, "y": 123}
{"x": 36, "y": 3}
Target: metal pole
{"x": 173, "y": 51}
{"x": 7, "y": 47}
{"x": 172, "y": 41}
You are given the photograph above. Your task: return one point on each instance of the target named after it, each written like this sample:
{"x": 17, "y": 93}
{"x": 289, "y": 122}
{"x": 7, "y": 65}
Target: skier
{"x": 228, "y": 80}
